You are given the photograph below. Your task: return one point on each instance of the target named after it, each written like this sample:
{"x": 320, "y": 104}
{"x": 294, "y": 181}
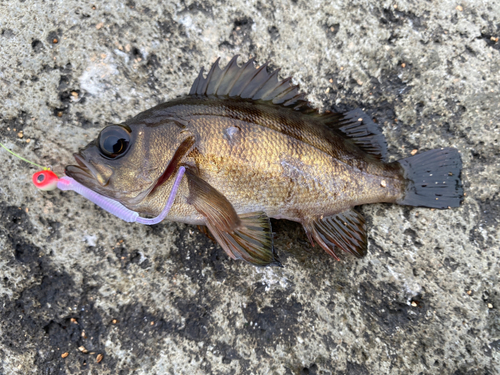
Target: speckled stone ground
{"x": 164, "y": 299}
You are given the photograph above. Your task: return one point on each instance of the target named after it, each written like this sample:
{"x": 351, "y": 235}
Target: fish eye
{"x": 114, "y": 141}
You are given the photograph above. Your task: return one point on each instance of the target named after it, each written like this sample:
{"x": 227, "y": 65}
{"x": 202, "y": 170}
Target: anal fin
{"x": 345, "y": 230}
{"x": 247, "y": 236}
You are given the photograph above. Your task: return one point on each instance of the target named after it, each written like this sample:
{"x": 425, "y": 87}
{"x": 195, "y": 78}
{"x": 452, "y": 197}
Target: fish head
{"x": 126, "y": 161}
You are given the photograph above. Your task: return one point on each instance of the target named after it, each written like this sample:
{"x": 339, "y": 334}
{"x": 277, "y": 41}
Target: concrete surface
{"x": 164, "y": 299}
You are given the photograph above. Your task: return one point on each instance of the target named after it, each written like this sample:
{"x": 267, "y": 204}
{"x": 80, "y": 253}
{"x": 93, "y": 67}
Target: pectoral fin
{"x": 247, "y": 236}
{"x": 345, "y": 230}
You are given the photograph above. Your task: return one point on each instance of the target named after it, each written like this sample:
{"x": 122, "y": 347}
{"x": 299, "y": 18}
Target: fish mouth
{"x": 84, "y": 173}
{"x": 87, "y": 174}
{"x": 80, "y": 171}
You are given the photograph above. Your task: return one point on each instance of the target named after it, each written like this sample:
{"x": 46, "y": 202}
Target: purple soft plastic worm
{"x": 116, "y": 208}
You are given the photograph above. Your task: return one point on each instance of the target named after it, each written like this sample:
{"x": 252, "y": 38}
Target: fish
{"x": 253, "y": 148}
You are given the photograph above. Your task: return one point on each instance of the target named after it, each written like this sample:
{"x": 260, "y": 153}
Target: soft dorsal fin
{"x": 359, "y": 127}
{"x": 249, "y": 82}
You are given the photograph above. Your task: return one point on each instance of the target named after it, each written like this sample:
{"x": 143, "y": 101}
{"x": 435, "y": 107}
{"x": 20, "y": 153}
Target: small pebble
{"x": 383, "y": 183}
{"x": 413, "y": 152}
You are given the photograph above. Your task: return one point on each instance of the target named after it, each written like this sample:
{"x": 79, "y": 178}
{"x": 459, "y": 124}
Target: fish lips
{"x": 85, "y": 173}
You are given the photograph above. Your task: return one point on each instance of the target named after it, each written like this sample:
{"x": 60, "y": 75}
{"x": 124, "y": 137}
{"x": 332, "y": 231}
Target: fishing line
{"x": 26, "y": 160}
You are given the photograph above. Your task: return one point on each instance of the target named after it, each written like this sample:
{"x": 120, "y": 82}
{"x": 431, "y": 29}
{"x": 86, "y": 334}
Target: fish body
{"x": 253, "y": 148}
{"x": 239, "y": 152}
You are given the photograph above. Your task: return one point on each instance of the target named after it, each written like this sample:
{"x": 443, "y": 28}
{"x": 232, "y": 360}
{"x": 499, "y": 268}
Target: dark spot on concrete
{"x": 137, "y": 257}
{"x": 153, "y": 62}
{"x": 270, "y": 325}
{"x": 86, "y": 123}
{"x": 197, "y": 319}
{"x": 492, "y": 40}
{"x": 24, "y": 252}
{"x": 414, "y": 236}
{"x": 243, "y": 25}
{"x": 169, "y": 26}
{"x": 451, "y": 264}
{"x": 490, "y": 211}
{"x": 242, "y": 32}
{"x": 384, "y": 306}
{"x": 311, "y": 370}
{"x": 390, "y": 17}
{"x": 495, "y": 345}
{"x": 7, "y": 33}
{"x": 228, "y": 353}
{"x": 135, "y": 53}
{"x": 198, "y": 7}
{"x": 15, "y": 219}
{"x": 18, "y": 122}
{"x": 356, "y": 369}
{"x": 196, "y": 252}
{"x": 54, "y": 37}
{"x": 331, "y": 30}
{"x": 37, "y": 46}
{"x": 226, "y": 46}
{"x": 274, "y": 33}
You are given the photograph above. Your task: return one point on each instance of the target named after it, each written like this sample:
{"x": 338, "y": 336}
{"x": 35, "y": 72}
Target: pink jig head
{"x": 45, "y": 180}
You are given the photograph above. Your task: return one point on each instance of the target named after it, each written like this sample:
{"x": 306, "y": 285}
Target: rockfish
{"x": 253, "y": 148}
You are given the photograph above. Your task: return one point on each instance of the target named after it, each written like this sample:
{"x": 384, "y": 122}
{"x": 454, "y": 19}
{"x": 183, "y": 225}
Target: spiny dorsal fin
{"x": 249, "y": 82}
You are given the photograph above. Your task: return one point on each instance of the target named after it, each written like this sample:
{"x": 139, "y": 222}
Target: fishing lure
{"x": 47, "y": 180}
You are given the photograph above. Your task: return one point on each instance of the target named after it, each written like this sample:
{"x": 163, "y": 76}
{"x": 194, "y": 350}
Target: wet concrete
{"x": 165, "y": 299}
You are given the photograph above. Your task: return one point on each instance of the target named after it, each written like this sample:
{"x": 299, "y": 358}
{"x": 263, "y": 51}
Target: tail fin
{"x": 433, "y": 179}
